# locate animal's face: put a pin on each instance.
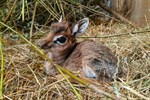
(62, 36)
(59, 39)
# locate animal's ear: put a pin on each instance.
(60, 18)
(80, 27)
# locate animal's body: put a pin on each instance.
(91, 59)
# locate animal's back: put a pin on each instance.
(93, 60)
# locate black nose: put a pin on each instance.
(41, 43)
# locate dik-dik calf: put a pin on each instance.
(91, 59)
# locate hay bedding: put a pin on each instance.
(25, 77)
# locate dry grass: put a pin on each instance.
(25, 78)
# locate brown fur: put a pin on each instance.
(93, 60)
(95, 55)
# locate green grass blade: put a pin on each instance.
(22, 12)
(2, 68)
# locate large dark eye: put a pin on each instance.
(60, 40)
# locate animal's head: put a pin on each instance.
(62, 35)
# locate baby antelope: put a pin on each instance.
(90, 59)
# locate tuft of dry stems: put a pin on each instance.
(25, 77)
